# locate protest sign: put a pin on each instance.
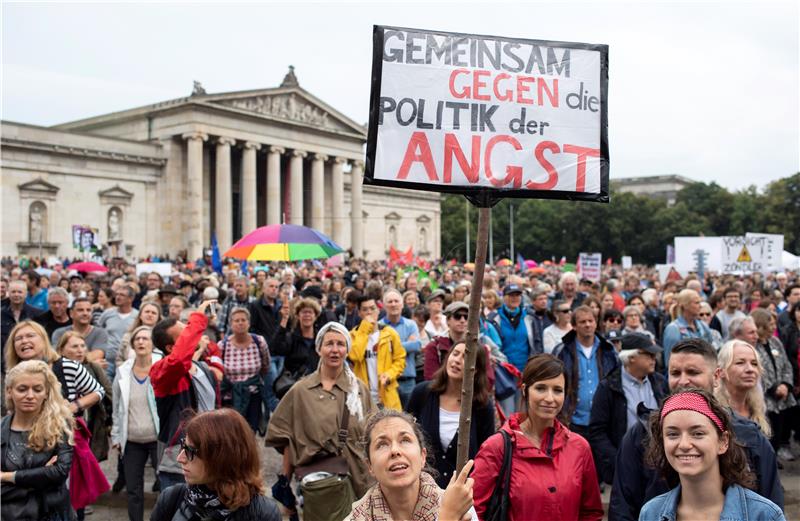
(627, 262)
(698, 254)
(773, 248)
(85, 238)
(744, 254)
(589, 265)
(162, 268)
(508, 117)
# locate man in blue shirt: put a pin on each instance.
(409, 338)
(37, 297)
(588, 358)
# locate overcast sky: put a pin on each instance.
(706, 90)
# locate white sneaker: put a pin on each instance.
(785, 454)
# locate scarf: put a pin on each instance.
(206, 504)
(374, 507)
(353, 400)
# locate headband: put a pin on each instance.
(690, 401)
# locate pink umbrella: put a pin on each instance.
(86, 267)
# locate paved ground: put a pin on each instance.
(112, 507)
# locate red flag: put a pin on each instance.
(408, 256)
(562, 261)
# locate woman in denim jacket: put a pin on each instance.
(694, 447)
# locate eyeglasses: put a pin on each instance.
(191, 452)
(704, 314)
(460, 316)
(563, 311)
(615, 320)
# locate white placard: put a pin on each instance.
(627, 262)
(589, 266)
(162, 268)
(773, 260)
(690, 252)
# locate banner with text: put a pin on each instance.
(589, 266)
(462, 113)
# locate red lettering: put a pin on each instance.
(552, 173)
(551, 95)
(522, 88)
(465, 92)
(509, 94)
(582, 153)
(453, 148)
(477, 85)
(418, 150)
(513, 173)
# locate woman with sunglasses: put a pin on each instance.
(437, 405)
(706, 315)
(220, 462)
(553, 333)
(694, 447)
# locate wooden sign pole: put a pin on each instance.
(465, 418)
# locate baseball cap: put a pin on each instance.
(641, 342)
(455, 306)
(512, 288)
(439, 293)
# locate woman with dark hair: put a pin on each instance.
(552, 469)
(297, 344)
(398, 456)
(693, 445)
(437, 405)
(220, 462)
(104, 299)
(149, 315)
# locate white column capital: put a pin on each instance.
(320, 157)
(340, 160)
(251, 145)
(202, 136)
(299, 153)
(274, 149)
(222, 140)
(358, 164)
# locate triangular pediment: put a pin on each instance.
(116, 192)
(38, 185)
(292, 105)
(393, 216)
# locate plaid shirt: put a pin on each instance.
(223, 319)
(243, 363)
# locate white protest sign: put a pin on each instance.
(743, 254)
(162, 268)
(464, 113)
(773, 248)
(589, 265)
(696, 254)
(627, 262)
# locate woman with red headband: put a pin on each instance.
(694, 447)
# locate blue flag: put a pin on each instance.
(521, 262)
(216, 260)
(244, 268)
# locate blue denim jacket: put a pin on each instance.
(741, 504)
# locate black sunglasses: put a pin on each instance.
(563, 310)
(191, 452)
(459, 316)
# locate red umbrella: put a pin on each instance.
(87, 267)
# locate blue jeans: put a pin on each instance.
(267, 391)
(405, 385)
(168, 479)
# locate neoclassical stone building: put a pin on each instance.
(163, 178)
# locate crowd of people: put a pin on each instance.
(680, 395)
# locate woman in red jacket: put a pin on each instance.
(552, 470)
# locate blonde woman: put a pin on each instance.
(686, 324)
(36, 446)
(739, 385)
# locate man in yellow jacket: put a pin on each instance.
(377, 354)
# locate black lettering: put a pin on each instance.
(486, 117)
(457, 50)
(411, 48)
(406, 101)
(387, 105)
(508, 51)
(421, 116)
(441, 51)
(554, 65)
(456, 106)
(492, 54)
(392, 55)
(517, 125)
(536, 59)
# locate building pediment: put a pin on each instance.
(392, 216)
(292, 105)
(38, 188)
(115, 195)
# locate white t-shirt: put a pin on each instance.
(448, 426)
(552, 336)
(372, 365)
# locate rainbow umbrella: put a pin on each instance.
(283, 242)
(503, 263)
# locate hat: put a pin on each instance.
(639, 341)
(511, 289)
(168, 290)
(439, 293)
(185, 283)
(455, 306)
(613, 335)
(312, 291)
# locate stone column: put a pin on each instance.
(337, 200)
(274, 184)
(194, 193)
(318, 192)
(249, 190)
(296, 187)
(356, 212)
(223, 225)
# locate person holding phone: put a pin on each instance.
(183, 378)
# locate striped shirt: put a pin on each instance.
(79, 381)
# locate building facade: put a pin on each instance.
(165, 177)
(660, 186)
